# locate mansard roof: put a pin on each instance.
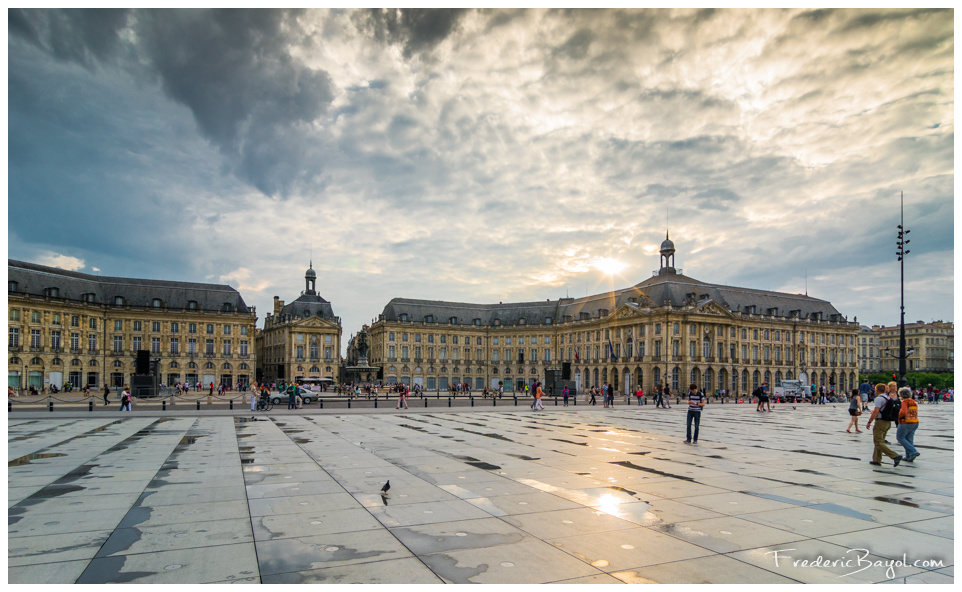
(35, 279)
(308, 305)
(674, 289)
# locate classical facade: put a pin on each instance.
(300, 340)
(669, 325)
(84, 329)
(869, 353)
(932, 346)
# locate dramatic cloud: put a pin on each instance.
(488, 155)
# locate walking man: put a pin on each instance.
(106, 392)
(291, 396)
(885, 412)
(696, 401)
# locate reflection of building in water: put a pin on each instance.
(300, 340)
(670, 324)
(73, 327)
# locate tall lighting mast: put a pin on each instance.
(902, 252)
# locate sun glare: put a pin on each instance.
(608, 265)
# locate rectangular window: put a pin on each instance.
(74, 321)
(327, 353)
(192, 328)
(175, 327)
(547, 356)
(547, 339)
(92, 342)
(209, 347)
(137, 344)
(430, 353)
(417, 338)
(404, 351)
(494, 341)
(314, 350)
(192, 345)
(174, 345)
(155, 326)
(118, 325)
(75, 341)
(226, 329)
(118, 343)
(417, 351)
(444, 351)
(35, 316)
(35, 338)
(391, 352)
(243, 347)
(55, 340)
(744, 353)
(210, 329)
(455, 353)
(300, 352)
(520, 340)
(444, 339)
(692, 349)
(478, 355)
(14, 340)
(138, 326)
(534, 356)
(155, 345)
(227, 347)
(299, 338)
(657, 353)
(14, 314)
(507, 341)
(454, 339)
(327, 339)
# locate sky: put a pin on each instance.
(488, 155)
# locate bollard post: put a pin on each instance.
(425, 402)
(232, 403)
(51, 405)
(494, 402)
(321, 401)
(198, 404)
(348, 402)
(375, 402)
(163, 405)
(556, 401)
(9, 406)
(449, 401)
(90, 405)
(516, 400)
(472, 401)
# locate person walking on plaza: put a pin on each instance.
(402, 397)
(639, 394)
(908, 423)
(253, 389)
(106, 392)
(125, 399)
(854, 410)
(564, 395)
(885, 412)
(666, 395)
(591, 392)
(291, 396)
(538, 393)
(696, 402)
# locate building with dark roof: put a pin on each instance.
(76, 328)
(300, 341)
(717, 336)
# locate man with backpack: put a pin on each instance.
(885, 414)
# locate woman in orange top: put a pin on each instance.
(538, 393)
(908, 423)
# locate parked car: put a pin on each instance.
(307, 396)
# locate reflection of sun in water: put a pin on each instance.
(608, 504)
(608, 265)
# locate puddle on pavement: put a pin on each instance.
(893, 500)
(488, 435)
(25, 460)
(902, 485)
(570, 442)
(524, 457)
(825, 454)
(630, 465)
(188, 440)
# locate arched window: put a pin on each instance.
(768, 377)
(756, 379)
(778, 378)
(695, 375)
(707, 380)
(118, 363)
(745, 380)
(209, 366)
(675, 377)
(226, 366)
(75, 362)
(314, 369)
(191, 365)
(656, 376)
(174, 365)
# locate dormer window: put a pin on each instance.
(521, 321)
(118, 300)
(547, 320)
(12, 286)
(429, 319)
(403, 318)
(228, 307)
(453, 320)
(603, 312)
(90, 297)
(52, 292)
(477, 322)
(156, 303)
(191, 305)
(497, 322)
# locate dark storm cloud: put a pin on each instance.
(416, 29)
(232, 68)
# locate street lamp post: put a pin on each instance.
(902, 252)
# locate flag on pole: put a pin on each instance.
(576, 354)
(611, 350)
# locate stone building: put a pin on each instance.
(932, 346)
(669, 325)
(869, 353)
(300, 340)
(73, 327)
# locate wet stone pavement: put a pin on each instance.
(577, 495)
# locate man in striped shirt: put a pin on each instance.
(696, 400)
